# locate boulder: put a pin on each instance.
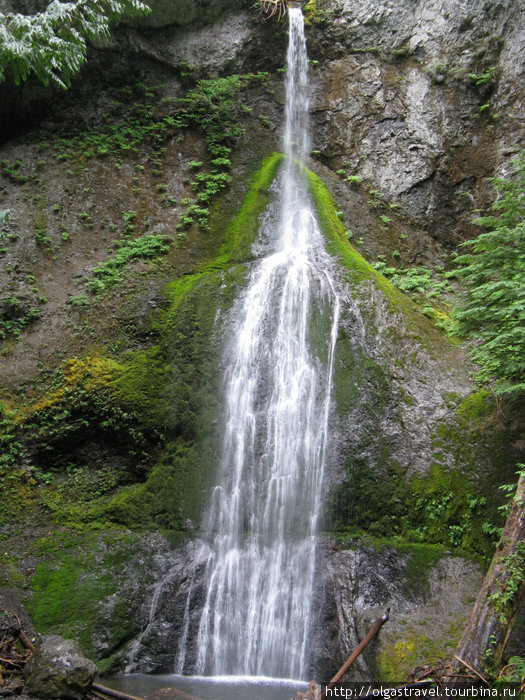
(58, 669)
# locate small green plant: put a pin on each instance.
(401, 51)
(80, 300)
(5, 220)
(353, 179)
(41, 239)
(128, 217)
(12, 171)
(108, 274)
(514, 671)
(482, 78)
(14, 317)
(504, 597)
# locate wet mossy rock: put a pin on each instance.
(92, 586)
(58, 669)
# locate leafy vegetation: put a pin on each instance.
(503, 598)
(137, 113)
(493, 315)
(52, 45)
(15, 316)
(109, 273)
(104, 440)
(438, 509)
(214, 105)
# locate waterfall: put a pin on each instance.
(263, 514)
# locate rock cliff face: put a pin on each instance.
(109, 405)
(422, 100)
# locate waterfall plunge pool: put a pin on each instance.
(206, 687)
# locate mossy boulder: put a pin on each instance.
(58, 669)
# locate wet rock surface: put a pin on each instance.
(422, 99)
(428, 604)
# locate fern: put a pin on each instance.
(493, 315)
(52, 44)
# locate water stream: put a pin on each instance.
(263, 514)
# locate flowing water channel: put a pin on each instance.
(263, 514)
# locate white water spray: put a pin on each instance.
(263, 515)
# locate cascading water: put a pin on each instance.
(262, 519)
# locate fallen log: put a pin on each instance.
(23, 636)
(103, 690)
(25, 640)
(357, 651)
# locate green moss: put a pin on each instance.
(415, 646)
(449, 506)
(338, 245)
(312, 13)
(421, 558)
(242, 231)
(441, 508)
(67, 590)
(359, 273)
(146, 418)
(477, 434)
(171, 495)
(476, 407)
(142, 383)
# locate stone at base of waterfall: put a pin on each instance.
(58, 669)
(313, 692)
